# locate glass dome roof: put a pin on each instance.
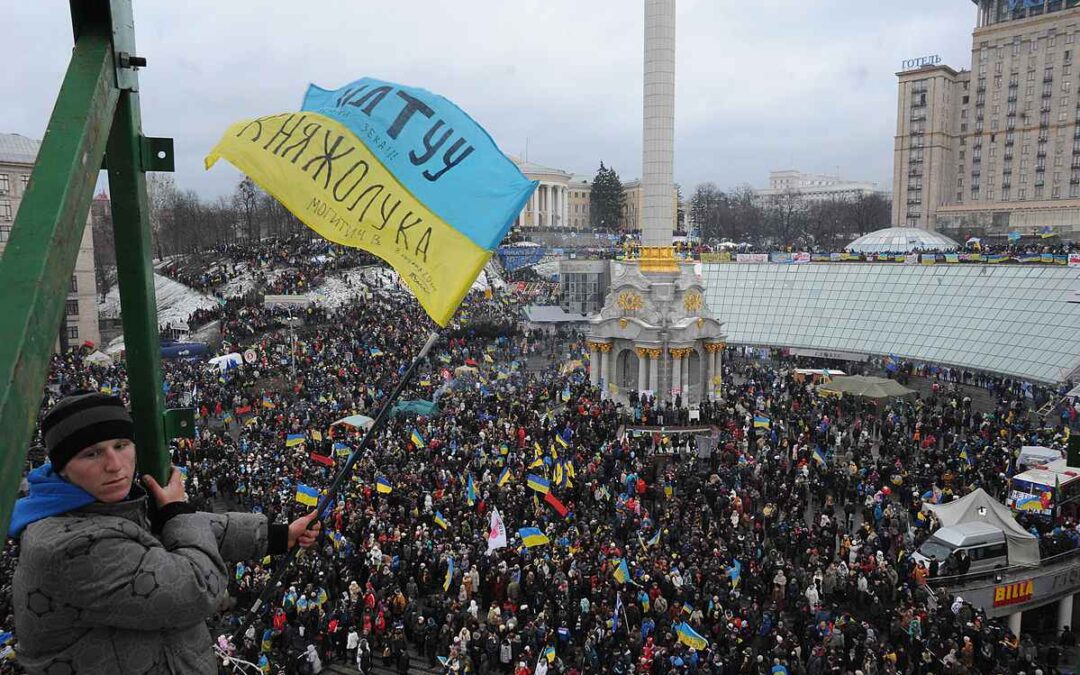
(902, 240)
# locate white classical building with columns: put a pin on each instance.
(549, 206)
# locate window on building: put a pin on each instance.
(5, 210)
(72, 308)
(74, 288)
(25, 181)
(73, 332)
(5, 182)
(5, 232)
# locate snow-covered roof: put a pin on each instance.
(18, 149)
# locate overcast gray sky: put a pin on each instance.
(771, 84)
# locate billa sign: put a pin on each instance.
(1014, 593)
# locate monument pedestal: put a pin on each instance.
(656, 335)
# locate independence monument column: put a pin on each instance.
(658, 149)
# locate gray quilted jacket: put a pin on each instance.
(96, 592)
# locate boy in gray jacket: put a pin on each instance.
(106, 585)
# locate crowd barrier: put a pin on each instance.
(800, 258)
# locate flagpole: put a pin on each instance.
(339, 479)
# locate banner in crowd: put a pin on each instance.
(756, 258)
(397, 171)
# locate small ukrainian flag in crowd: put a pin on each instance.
(341, 450)
(654, 540)
(382, 484)
(549, 654)
(449, 574)
(307, 495)
(440, 520)
(622, 572)
(293, 440)
(417, 439)
(533, 537)
(690, 637)
(819, 457)
(504, 477)
(761, 421)
(538, 483)
(470, 491)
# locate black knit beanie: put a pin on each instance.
(79, 421)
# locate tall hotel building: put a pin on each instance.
(995, 149)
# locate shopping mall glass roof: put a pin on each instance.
(902, 240)
(1009, 319)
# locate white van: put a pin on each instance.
(985, 545)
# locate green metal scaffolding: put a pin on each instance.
(96, 122)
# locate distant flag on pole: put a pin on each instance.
(440, 520)
(470, 491)
(504, 476)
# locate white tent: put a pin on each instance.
(99, 359)
(227, 361)
(981, 507)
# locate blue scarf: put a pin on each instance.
(50, 495)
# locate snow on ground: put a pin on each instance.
(340, 287)
(175, 302)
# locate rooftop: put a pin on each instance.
(18, 149)
(902, 240)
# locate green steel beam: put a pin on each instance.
(135, 275)
(36, 268)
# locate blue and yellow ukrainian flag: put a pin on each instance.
(449, 574)
(655, 539)
(558, 475)
(532, 536)
(561, 441)
(440, 520)
(417, 440)
(538, 483)
(688, 608)
(397, 171)
(307, 495)
(293, 440)
(819, 457)
(470, 491)
(267, 640)
(382, 485)
(267, 403)
(735, 573)
(549, 654)
(504, 449)
(646, 602)
(761, 421)
(504, 477)
(689, 637)
(341, 450)
(622, 572)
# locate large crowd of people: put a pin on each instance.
(778, 548)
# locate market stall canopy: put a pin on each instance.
(867, 387)
(355, 421)
(979, 507)
(418, 407)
